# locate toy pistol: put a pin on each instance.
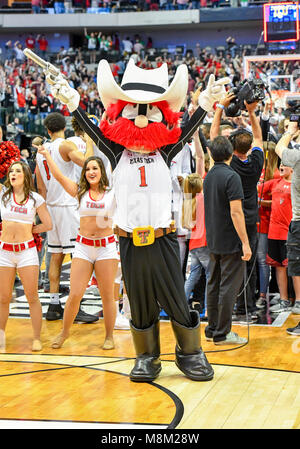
(50, 70)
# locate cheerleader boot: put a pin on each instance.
(190, 358)
(147, 347)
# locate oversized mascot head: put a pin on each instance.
(143, 113)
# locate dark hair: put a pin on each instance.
(83, 185)
(221, 149)
(241, 140)
(28, 186)
(76, 126)
(55, 122)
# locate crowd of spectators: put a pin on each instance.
(110, 6)
(25, 96)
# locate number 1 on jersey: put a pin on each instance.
(143, 176)
(47, 169)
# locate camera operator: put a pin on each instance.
(291, 158)
(247, 161)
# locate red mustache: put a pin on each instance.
(152, 137)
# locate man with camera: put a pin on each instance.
(247, 161)
(291, 158)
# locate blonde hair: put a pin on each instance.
(271, 159)
(192, 185)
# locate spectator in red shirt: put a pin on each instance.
(30, 42)
(43, 45)
(21, 100)
(281, 215)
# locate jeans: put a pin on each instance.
(263, 268)
(41, 254)
(43, 115)
(199, 259)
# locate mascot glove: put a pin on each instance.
(215, 91)
(65, 93)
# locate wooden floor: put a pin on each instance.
(81, 385)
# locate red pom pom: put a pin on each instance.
(9, 153)
(38, 241)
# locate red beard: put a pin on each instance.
(154, 136)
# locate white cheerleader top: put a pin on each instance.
(20, 213)
(103, 208)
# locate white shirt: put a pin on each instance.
(143, 191)
(20, 213)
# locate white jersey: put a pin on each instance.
(143, 191)
(56, 194)
(81, 145)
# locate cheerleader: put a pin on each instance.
(19, 205)
(95, 247)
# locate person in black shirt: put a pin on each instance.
(247, 161)
(44, 104)
(227, 242)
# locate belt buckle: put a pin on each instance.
(17, 247)
(97, 243)
(143, 236)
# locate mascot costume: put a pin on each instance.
(140, 134)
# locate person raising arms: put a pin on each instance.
(95, 247)
(19, 204)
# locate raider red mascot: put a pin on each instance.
(140, 134)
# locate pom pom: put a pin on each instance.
(9, 153)
(38, 241)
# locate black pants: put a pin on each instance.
(226, 275)
(251, 285)
(153, 277)
(293, 249)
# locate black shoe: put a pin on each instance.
(54, 312)
(190, 358)
(147, 364)
(294, 330)
(83, 317)
(261, 303)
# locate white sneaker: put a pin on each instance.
(122, 323)
(93, 290)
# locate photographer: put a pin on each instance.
(247, 161)
(291, 158)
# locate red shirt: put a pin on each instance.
(43, 43)
(30, 43)
(198, 235)
(264, 211)
(21, 100)
(281, 211)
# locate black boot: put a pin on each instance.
(147, 347)
(190, 358)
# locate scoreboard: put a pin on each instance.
(281, 22)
